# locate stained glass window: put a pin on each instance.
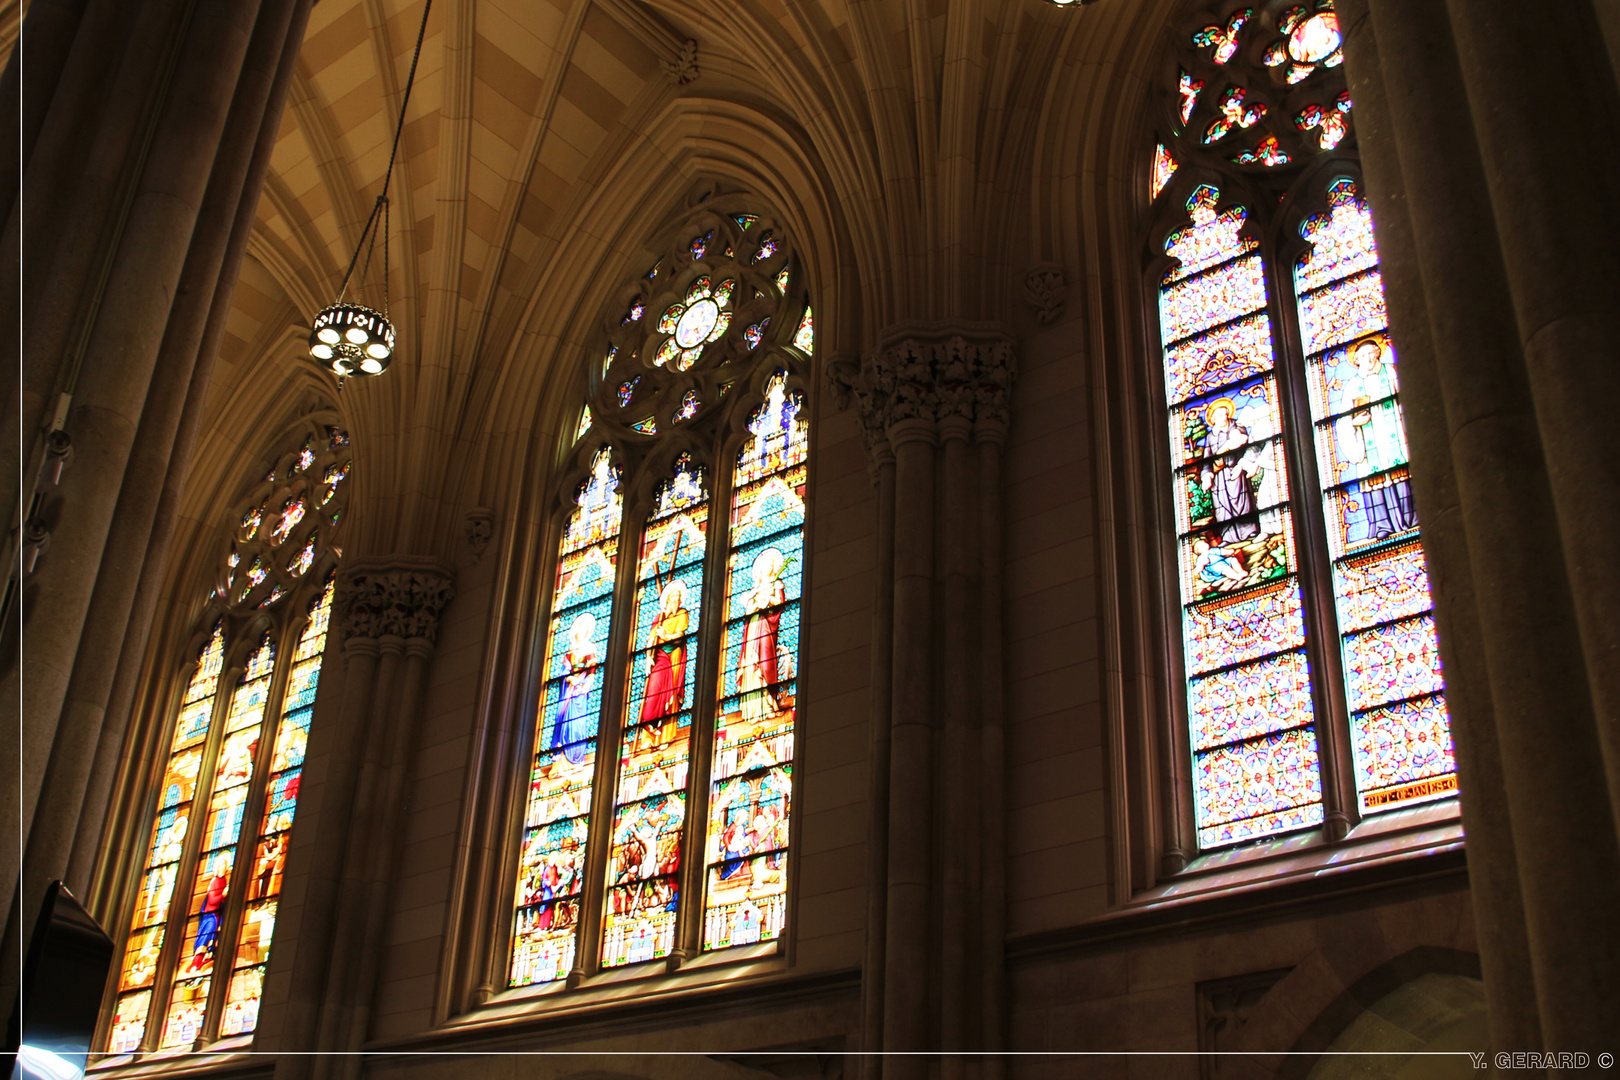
(1254, 753)
(1255, 702)
(203, 917)
(636, 685)
(556, 823)
(655, 746)
(1399, 730)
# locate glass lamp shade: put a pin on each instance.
(352, 340)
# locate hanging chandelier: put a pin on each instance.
(352, 339)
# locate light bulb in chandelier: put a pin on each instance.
(352, 340)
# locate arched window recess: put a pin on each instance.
(656, 816)
(1305, 679)
(204, 881)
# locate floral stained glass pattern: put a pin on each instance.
(1400, 733)
(643, 889)
(750, 790)
(177, 795)
(1164, 167)
(551, 862)
(1248, 695)
(693, 323)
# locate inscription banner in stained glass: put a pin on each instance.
(1404, 753)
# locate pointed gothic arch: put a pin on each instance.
(657, 821)
(232, 720)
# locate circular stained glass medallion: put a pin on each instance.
(696, 323)
(1315, 39)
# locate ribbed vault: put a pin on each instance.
(547, 137)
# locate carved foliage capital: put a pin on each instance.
(403, 601)
(930, 372)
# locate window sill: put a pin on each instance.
(226, 1057)
(749, 974)
(1422, 845)
(1398, 834)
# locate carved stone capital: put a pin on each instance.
(394, 598)
(1046, 289)
(931, 371)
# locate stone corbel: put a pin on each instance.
(1045, 288)
(479, 526)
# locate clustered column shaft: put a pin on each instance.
(1507, 325)
(146, 133)
(933, 398)
(389, 614)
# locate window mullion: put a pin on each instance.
(185, 871)
(1339, 804)
(247, 832)
(609, 734)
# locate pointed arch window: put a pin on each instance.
(201, 920)
(660, 790)
(1312, 681)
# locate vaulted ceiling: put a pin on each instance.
(544, 138)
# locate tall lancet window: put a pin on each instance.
(202, 911)
(1313, 688)
(660, 790)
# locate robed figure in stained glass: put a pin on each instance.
(757, 670)
(666, 665)
(208, 921)
(1229, 478)
(575, 720)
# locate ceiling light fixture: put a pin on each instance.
(350, 338)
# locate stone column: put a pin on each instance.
(925, 392)
(1492, 861)
(389, 610)
(1541, 89)
(1535, 794)
(227, 212)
